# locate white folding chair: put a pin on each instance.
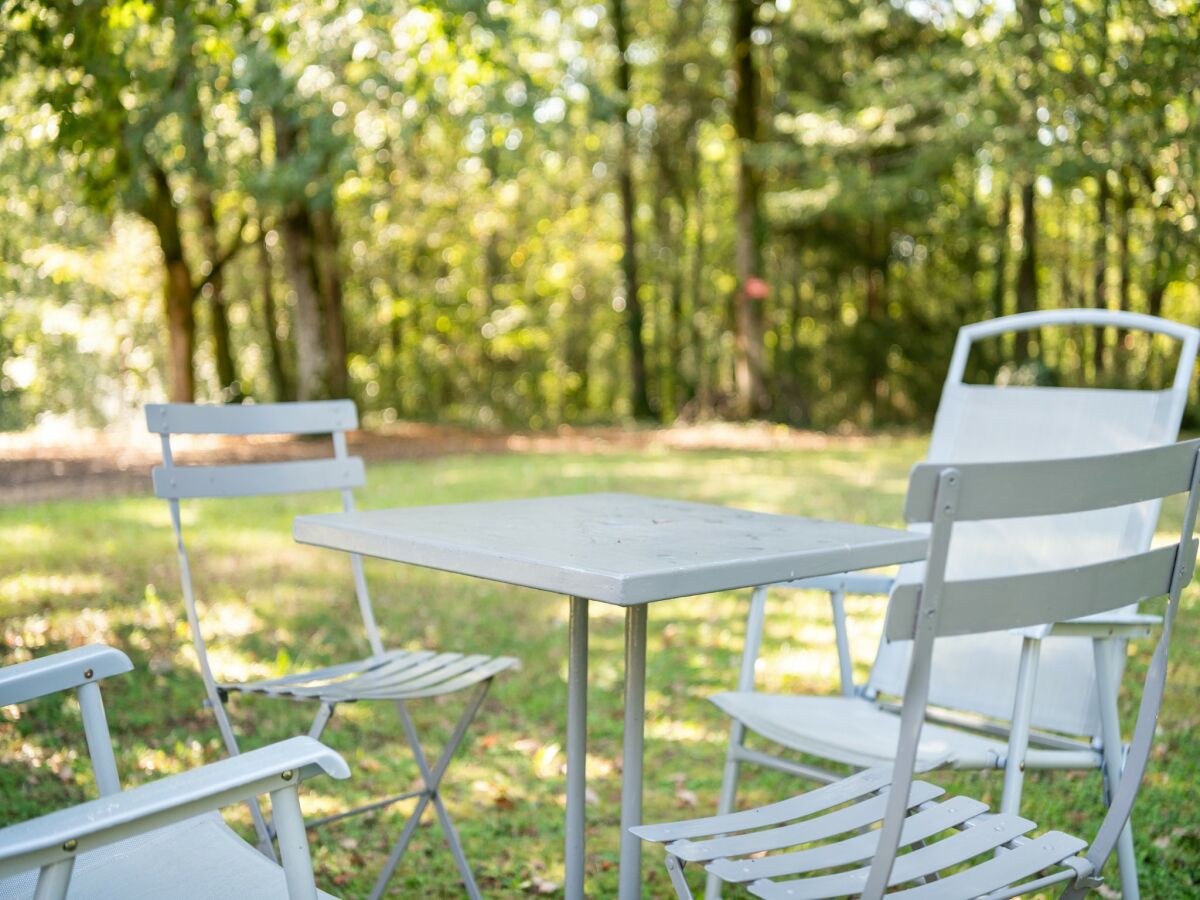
(829, 845)
(983, 688)
(395, 676)
(162, 839)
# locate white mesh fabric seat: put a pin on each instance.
(1062, 688)
(390, 675)
(853, 730)
(825, 843)
(207, 860)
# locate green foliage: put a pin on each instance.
(460, 158)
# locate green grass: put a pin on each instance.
(105, 570)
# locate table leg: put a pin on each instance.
(577, 637)
(630, 884)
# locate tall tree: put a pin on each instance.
(749, 295)
(634, 315)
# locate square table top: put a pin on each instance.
(622, 549)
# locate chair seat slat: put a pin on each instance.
(990, 833)
(920, 826)
(403, 675)
(839, 821)
(818, 800)
(1008, 869)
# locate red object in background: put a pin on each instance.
(757, 289)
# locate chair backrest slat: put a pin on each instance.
(1053, 486)
(315, 417)
(1035, 598)
(258, 479)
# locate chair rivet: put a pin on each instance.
(88, 673)
(70, 845)
(288, 775)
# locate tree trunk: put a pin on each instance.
(634, 317)
(748, 313)
(300, 269)
(1125, 208)
(1027, 287)
(227, 380)
(998, 286)
(333, 316)
(700, 375)
(281, 387)
(178, 291)
(1100, 278)
(312, 366)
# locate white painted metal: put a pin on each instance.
(1112, 480)
(395, 676)
(163, 838)
(47, 839)
(57, 672)
(576, 826)
(293, 843)
(629, 885)
(258, 479)
(1020, 601)
(317, 417)
(95, 731)
(988, 423)
(937, 868)
(614, 548)
(82, 668)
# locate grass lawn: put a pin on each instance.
(105, 570)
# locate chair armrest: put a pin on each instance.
(850, 583)
(60, 672)
(1105, 625)
(62, 835)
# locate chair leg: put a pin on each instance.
(324, 714)
(837, 605)
(675, 870)
(293, 843)
(432, 779)
(728, 798)
(1110, 734)
(262, 828)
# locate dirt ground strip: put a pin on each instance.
(36, 467)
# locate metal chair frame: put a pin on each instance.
(737, 847)
(395, 676)
(52, 844)
(1050, 750)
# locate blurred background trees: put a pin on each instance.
(522, 213)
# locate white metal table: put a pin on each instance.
(621, 549)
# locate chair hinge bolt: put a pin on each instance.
(287, 775)
(70, 845)
(88, 673)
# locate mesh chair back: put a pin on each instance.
(984, 423)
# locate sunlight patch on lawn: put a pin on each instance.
(31, 587)
(26, 536)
